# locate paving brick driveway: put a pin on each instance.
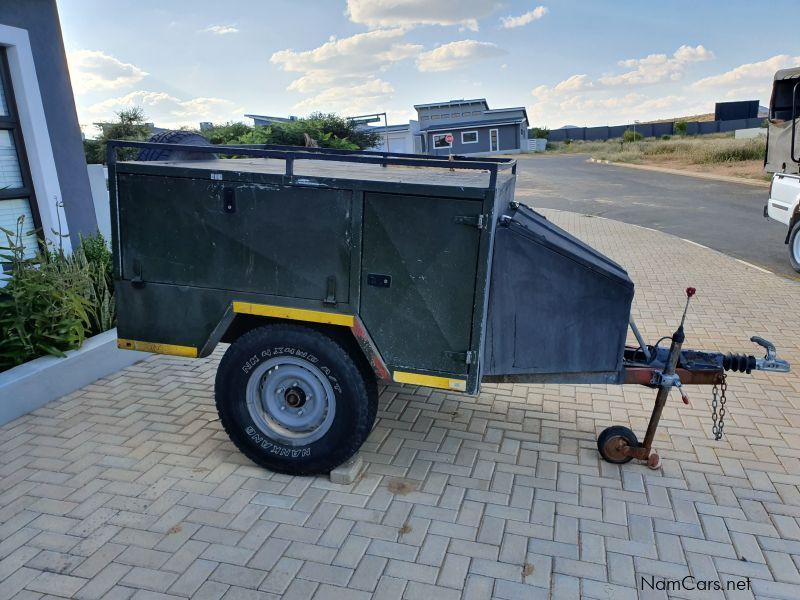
(129, 487)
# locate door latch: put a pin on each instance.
(478, 221)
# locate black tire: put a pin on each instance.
(794, 247)
(176, 137)
(607, 440)
(354, 398)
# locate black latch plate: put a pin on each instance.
(379, 280)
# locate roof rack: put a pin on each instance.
(292, 153)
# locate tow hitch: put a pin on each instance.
(662, 369)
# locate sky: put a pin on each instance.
(566, 61)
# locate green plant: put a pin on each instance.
(102, 309)
(328, 130)
(44, 308)
(538, 132)
(680, 128)
(631, 136)
(666, 137)
(130, 125)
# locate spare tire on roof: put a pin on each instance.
(176, 137)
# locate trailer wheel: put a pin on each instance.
(612, 441)
(176, 137)
(293, 400)
(794, 247)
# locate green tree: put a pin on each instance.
(538, 132)
(680, 128)
(328, 130)
(131, 124)
(631, 136)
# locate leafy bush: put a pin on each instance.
(130, 125)
(631, 136)
(666, 137)
(538, 132)
(102, 313)
(680, 128)
(44, 308)
(53, 301)
(327, 129)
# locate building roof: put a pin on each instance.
(288, 119)
(456, 102)
(471, 124)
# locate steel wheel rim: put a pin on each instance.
(615, 447)
(290, 400)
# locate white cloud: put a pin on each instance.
(656, 68)
(92, 70)
(164, 109)
(748, 77)
(341, 73)
(456, 55)
(361, 54)
(529, 17)
(410, 13)
(220, 29)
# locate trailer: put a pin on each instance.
(330, 272)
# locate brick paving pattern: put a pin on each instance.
(129, 488)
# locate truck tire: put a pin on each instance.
(176, 137)
(293, 400)
(794, 247)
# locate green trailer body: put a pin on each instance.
(329, 271)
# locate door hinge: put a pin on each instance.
(478, 221)
(467, 357)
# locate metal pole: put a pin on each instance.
(386, 130)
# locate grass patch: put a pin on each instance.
(703, 150)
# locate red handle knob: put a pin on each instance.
(690, 291)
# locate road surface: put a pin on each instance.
(723, 216)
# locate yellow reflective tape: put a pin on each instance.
(157, 348)
(296, 314)
(430, 381)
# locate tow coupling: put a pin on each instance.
(663, 369)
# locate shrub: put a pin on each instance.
(631, 136)
(53, 301)
(666, 137)
(538, 132)
(680, 128)
(44, 308)
(102, 312)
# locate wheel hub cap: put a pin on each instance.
(290, 400)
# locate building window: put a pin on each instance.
(16, 188)
(425, 117)
(469, 137)
(456, 114)
(440, 140)
(445, 116)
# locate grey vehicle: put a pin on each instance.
(332, 272)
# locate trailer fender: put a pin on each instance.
(349, 330)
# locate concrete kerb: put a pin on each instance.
(710, 176)
(35, 383)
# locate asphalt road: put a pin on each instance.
(723, 216)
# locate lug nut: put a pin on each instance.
(300, 412)
(280, 390)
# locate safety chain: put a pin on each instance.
(718, 419)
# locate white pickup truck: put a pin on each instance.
(783, 158)
(784, 206)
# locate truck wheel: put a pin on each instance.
(794, 247)
(176, 137)
(293, 400)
